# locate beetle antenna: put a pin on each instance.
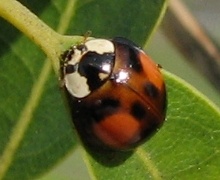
(86, 36)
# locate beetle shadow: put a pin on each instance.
(107, 157)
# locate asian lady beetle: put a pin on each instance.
(116, 92)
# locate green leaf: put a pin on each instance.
(186, 147)
(35, 127)
(125, 18)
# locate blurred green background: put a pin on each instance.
(164, 53)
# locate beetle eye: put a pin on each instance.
(81, 48)
(96, 68)
(70, 68)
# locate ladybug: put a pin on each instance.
(116, 93)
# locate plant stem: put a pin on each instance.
(49, 41)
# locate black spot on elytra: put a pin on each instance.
(138, 111)
(105, 107)
(132, 50)
(153, 125)
(109, 102)
(134, 61)
(165, 101)
(151, 90)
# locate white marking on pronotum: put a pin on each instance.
(100, 46)
(75, 83)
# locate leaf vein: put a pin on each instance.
(145, 157)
